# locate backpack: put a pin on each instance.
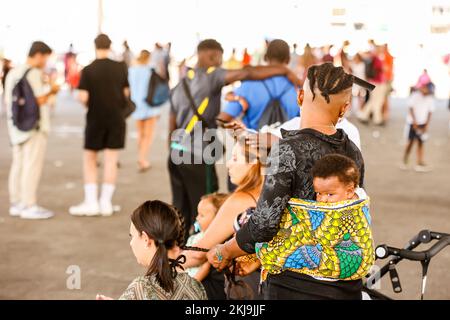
(274, 112)
(370, 70)
(25, 108)
(158, 90)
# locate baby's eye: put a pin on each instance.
(330, 194)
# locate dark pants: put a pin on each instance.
(189, 182)
(294, 286)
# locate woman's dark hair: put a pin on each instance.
(209, 44)
(165, 225)
(39, 47)
(278, 50)
(328, 79)
(102, 41)
(336, 165)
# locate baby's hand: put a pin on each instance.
(102, 297)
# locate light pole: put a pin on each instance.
(100, 16)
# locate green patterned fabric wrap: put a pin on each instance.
(323, 240)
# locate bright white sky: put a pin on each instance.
(235, 23)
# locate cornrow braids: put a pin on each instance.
(181, 235)
(328, 79)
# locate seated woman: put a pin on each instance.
(324, 99)
(246, 174)
(156, 233)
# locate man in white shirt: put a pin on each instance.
(349, 128)
(28, 147)
(420, 108)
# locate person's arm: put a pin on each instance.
(42, 100)
(172, 125)
(83, 97)
(413, 117)
(260, 73)
(202, 272)
(220, 229)
(264, 222)
(83, 87)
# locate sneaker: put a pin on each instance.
(422, 168)
(85, 209)
(36, 213)
(106, 209)
(404, 166)
(16, 209)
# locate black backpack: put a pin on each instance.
(25, 108)
(158, 90)
(371, 72)
(274, 111)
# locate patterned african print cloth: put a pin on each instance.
(147, 288)
(324, 240)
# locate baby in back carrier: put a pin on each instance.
(335, 179)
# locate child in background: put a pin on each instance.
(420, 108)
(157, 232)
(207, 209)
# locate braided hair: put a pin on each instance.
(328, 79)
(165, 225)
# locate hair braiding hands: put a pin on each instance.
(218, 257)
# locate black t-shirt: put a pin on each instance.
(105, 81)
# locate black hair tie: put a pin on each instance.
(178, 262)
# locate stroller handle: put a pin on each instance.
(383, 251)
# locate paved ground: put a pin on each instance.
(35, 255)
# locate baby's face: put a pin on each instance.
(206, 213)
(332, 190)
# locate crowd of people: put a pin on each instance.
(291, 143)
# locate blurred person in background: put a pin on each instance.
(375, 75)
(127, 54)
(420, 109)
(146, 116)
(246, 58)
(342, 57)
(159, 60)
(29, 147)
(252, 98)
(104, 90)
(6, 67)
(306, 60)
(327, 57)
(388, 70)
(233, 63)
(358, 68)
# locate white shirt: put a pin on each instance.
(35, 79)
(349, 128)
(421, 106)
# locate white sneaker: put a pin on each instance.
(36, 213)
(85, 209)
(106, 208)
(16, 209)
(422, 168)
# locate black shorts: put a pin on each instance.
(105, 137)
(413, 134)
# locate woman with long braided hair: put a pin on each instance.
(324, 99)
(157, 234)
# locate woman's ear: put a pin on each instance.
(300, 97)
(146, 238)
